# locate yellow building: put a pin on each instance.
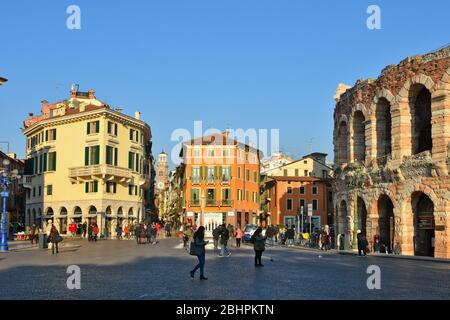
(87, 163)
(312, 165)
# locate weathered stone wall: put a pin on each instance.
(402, 174)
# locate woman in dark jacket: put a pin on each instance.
(199, 240)
(259, 244)
(54, 234)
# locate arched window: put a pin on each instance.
(359, 137)
(383, 128)
(63, 211)
(420, 106)
(342, 148)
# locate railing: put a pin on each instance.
(26, 181)
(226, 180)
(195, 180)
(211, 202)
(226, 203)
(211, 180)
(194, 203)
(101, 169)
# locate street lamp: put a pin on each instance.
(3, 80)
(6, 179)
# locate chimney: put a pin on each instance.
(137, 115)
(45, 109)
(91, 94)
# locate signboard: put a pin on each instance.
(426, 222)
(231, 214)
(310, 210)
(5, 194)
(190, 214)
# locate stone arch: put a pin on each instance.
(108, 210)
(120, 211)
(77, 211)
(358, 136)
(362, 215)
(362, 108)
(419, 79)
(49, 211)
(342, 145)
(63, 211)
(385, 221)
(424, 224)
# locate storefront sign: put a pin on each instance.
(190, 214)
(231, 214)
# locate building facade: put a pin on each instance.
(275, 161)
(86, 163)
(221, 182)
(311, 165)
(392, 157)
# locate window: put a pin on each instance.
(93, 127)
(226, 174)
(137, 136)
(196, 153)
(131, 160)
(92, 155)
(255, 177)
(131, 134)
(289, 204)
(306, 173)
(315, 205)
(239, 173)
(226, 153)
(247, 218)
(255, 197)
(49, 190)
(226, 196)
(239, 194)
(40, 191)
(247, 175)
(137, 168)
(112, 128)
(302, 190)
(211, 153)
(91, 187)
(111, 187)
(211, 174)
(34, 192)
(51, 161)
(195, 197)
(315, 190)
(112, 155)
(50, 135)
(211, 197)
(196, 175)
(289, 190)
(247, 195)
(302, 204)
(130, 189)
(285, 172)
(296, 172)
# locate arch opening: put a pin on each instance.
(420, 108)
(359, 136)
(383, 127)
(424, 225)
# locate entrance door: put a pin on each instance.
(212, 221)
(63, 225)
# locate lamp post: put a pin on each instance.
(6, 179)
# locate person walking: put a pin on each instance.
(33, 234)
(95, 231)
(119, 232)
(126, 231)
(90, 232)
(270, 234)
(153, 234)
(216, 235)
(84, 229)
(168, 228)
(259, 245)
(239, 234)
(224, 237)
(362, 244)
(199, 241)
(54, 239)
(290, 234)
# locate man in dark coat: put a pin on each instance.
(224, 237)
(216, 235)
(362, 244)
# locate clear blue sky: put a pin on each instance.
(243, 63)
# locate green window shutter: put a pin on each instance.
(108, 158)
(88, 128)
(116, 156)
(205, 175)
(130, 160)
(86, 156)
(137, 162)
(86, 187)
(95, 186)
(115, 187)
(97, 126)
(192, 174)
(54, 161)
(54, 134)
(97, 154)
(131, 134)
(45, 162)
(231, 171)
(46, 135)
(115, 129)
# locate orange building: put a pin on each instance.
(221, 182)
(287, 195)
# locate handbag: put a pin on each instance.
(195, 250)
(59, 239)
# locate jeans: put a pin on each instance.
(216, 244)
(290, 242)
(238, 242)
(55, 245)
(224, 249)
(200, 265)
(258, 257)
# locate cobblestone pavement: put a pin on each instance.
(123, 270)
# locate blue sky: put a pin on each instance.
(239, 63)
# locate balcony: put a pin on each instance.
(195, 180)
(211, 180)
(226, 203)
(212, 203)
(103, 171)
(144, 181)
(226, 180)
(194, 203)
(27, 182)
